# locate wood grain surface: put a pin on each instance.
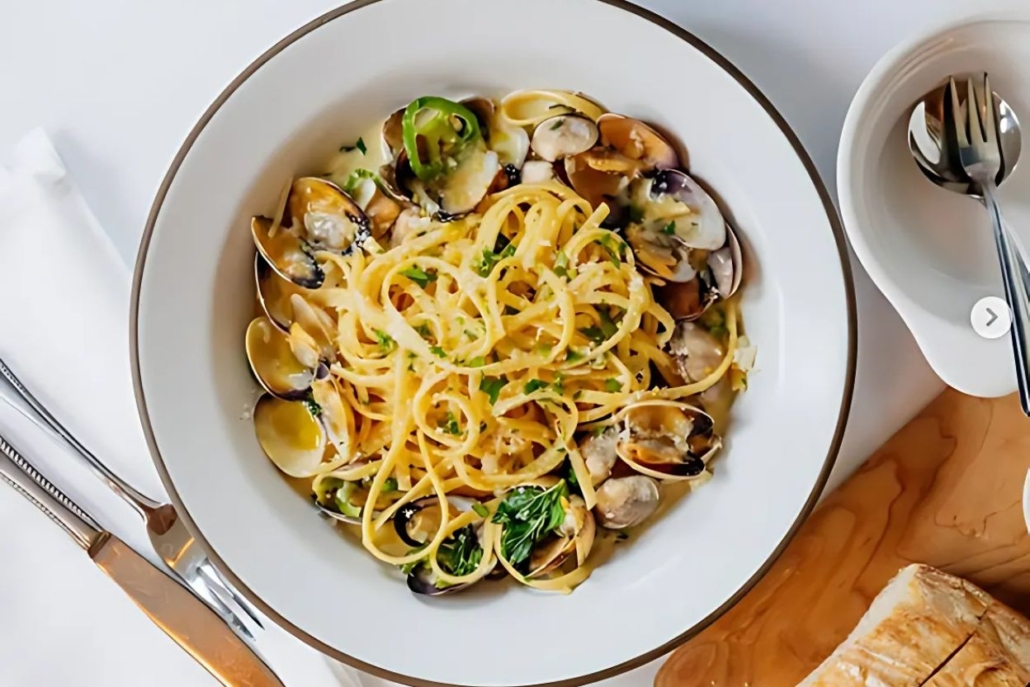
(945, 490)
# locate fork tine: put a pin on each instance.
(976, 133)
(990, 122)
(956, 116)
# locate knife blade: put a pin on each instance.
(183, 617)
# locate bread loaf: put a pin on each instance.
(930, 628)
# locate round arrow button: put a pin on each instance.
(991, 317)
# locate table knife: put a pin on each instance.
(191, 624)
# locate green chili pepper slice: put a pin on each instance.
(446, 129)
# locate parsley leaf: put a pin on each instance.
(608, 325)
(451, 425)
(386, 342)
(460, 554)
(438, 352)
(669, 228)
(480, 509)
(612, 385)
(594, 334)
(492, 386)
(527, 515)
(419, 276)
(359, 145)
(535, 385)
(613, 246)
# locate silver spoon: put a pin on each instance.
(934, 147)
(969, 143)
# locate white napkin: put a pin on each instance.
(64, 298)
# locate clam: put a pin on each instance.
(290, 257)
(310, 335)
(537, 171)
(417, 523)
(674, 197)
(598, 451)
(511, 143)
(454, 194)
(274, 293)
(393, 132)
(718, 276)
(336, 417)
(626, 501)
(563, 136)
(637, 141)
(339, 499)
(326, 217)
(380, 207)
(667, 440)
(595, 185)
(574, 536)
(290, 435)
(695, 352)
(320, 217)
(274, 363)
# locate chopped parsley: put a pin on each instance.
(451, 425)
(669, 228)
(612, 386)
(535, 385)
(490, 259)
(460, 554)
(606, 330)
(492, 386)
(424, 331)
(559, 383)
(573, 356)
(636, 213)
(360, 145)
(438, 352)
(557, 125)
(386, 342)
(478, 361)
(389, 485)
(608, 242)
(527, 515)
(419, 276)
(480, 509)
(313, 407)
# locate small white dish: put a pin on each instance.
(928, 250)
(193, 297)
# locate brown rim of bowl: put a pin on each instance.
(831, 456)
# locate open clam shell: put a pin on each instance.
(325, 216)
(290, 435)
(637, 141)
(274, 293)
(287, 254)
(666, 440)
(563, 136)
(624, 502)
(575, 537)
(274, 363)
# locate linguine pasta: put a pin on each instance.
(461, 378)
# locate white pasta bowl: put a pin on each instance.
(193, 297)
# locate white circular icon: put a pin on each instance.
(991, 317)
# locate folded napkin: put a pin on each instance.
(64, 328)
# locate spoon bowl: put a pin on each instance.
(935, 149)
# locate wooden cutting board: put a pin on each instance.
(945, 490)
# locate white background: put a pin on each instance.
(119, 83)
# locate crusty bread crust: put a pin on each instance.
(919, 620)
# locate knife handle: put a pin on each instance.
(30, 483)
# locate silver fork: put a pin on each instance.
(168, 535)
(981, 158)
